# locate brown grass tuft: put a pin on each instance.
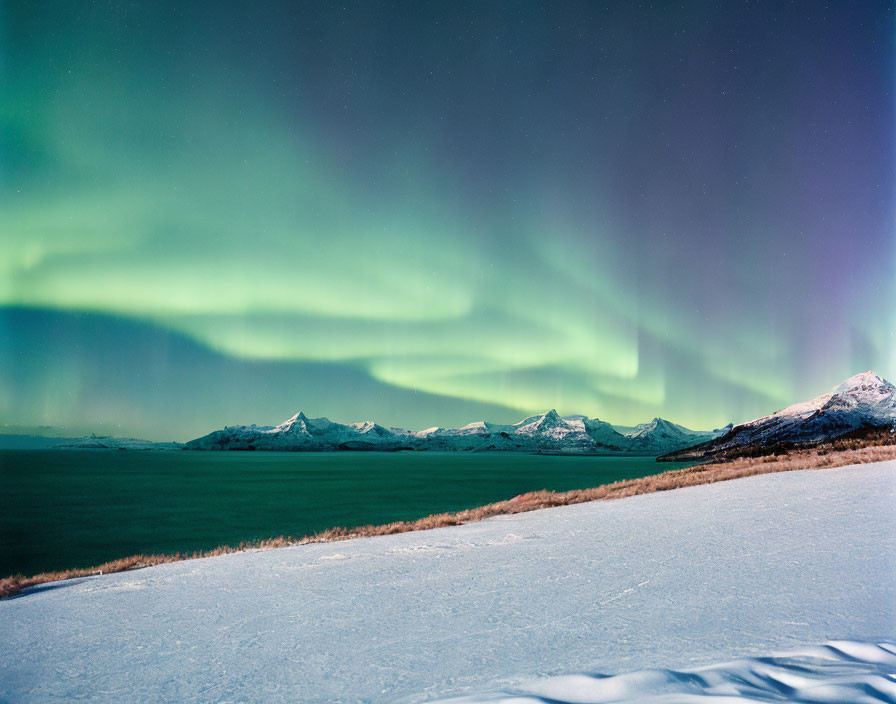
(835, 454)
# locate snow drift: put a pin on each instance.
(839, 671)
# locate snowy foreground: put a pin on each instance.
(721, 575)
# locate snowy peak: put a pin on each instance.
(299, 423)
(865, 393)
(551, 418)
(370, 428)
(543, 423)
(299, 417)
(605, 435)
(660, 434)
(659, 427)
(867, 397)
(479, 427)
(645, 428)
(430, 431)
(867, 383)
(312, 426)
(553, 432)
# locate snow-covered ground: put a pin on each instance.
(681, 580)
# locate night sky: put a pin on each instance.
(432, 213)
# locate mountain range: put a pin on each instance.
(864, 402)
(548, 432)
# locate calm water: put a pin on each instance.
(79, 508)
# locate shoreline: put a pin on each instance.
(814, 458)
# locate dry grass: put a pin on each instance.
(835, 454)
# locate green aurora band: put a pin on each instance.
(596, 228)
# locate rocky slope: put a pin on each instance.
(864, 401)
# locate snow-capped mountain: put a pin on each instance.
(862, 401)
(547, 432)
(658, 434)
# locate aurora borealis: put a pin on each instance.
(429, 213)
